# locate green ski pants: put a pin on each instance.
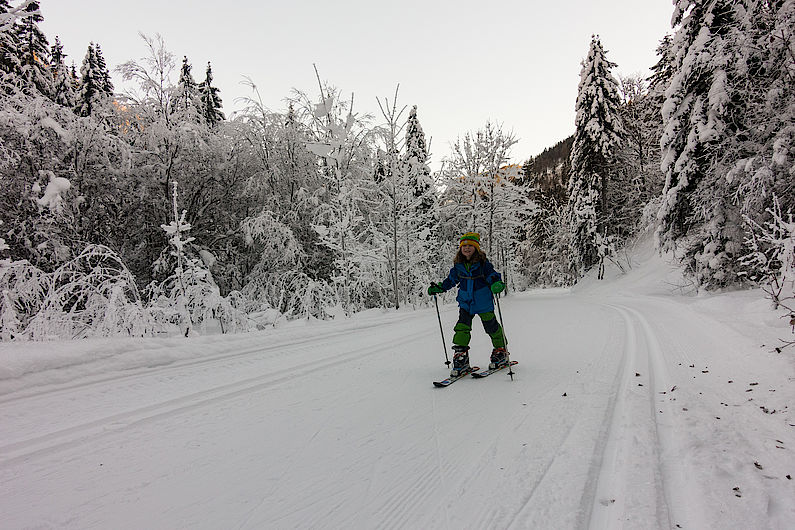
(463, 329)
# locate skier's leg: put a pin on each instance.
(461, 338)
(493, 328)
(463, 329)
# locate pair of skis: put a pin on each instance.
(476, 372)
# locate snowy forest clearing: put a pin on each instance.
(632, 406)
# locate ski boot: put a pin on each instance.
(460, 361)
(499, 357)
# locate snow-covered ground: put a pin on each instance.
(634, 405)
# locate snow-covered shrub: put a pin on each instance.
(292, 293)
(93, 294)
(22, 289)
(189, 296)
(772, 256)
(280, 248)
(190, 299)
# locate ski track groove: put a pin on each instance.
(672, 489)
(528, 498)
(525, 502)
(608, 485)
(679, 492)
(70, 436)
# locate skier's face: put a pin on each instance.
(467, 250)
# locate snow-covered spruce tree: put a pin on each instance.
(422, 248)
(702, 113)
(764, 155)
(11, 77)
(92, 84)
(63, 83)
(408, 222)
(766, 151)
(597, 140)
(186, 96)
(210, 100)
(105, 85)
(415, 158)
(34, 52)
(10, 67)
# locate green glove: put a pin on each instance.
(497, 287)
(435, 288)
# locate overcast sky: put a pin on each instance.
(462, 62)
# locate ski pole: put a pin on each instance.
(504, 336)
(441, 330)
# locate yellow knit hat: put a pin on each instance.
(470, 238)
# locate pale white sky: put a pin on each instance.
(463, 62)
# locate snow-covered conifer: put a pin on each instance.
(95, 84)
(763, 156)
(415, 157)
(63, 87)
(34, 52)
(701, 113)
(90, 83)
(186, 97)
(210, 100)
(597, 140)
(10, 65)
(105, 84)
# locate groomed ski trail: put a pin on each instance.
(337, 426)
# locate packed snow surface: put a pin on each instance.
(635, 404)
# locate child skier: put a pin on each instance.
(476, 280)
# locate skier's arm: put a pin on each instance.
(451, 280)
(489, 274)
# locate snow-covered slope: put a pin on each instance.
(635, 404)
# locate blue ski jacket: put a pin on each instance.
(474, 295)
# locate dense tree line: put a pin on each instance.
(187, 218)
(142, 211)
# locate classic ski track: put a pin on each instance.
(605, 501)
(208, 361)
(74, 435)
(489, 520)
(674, 492)
(528, 498)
